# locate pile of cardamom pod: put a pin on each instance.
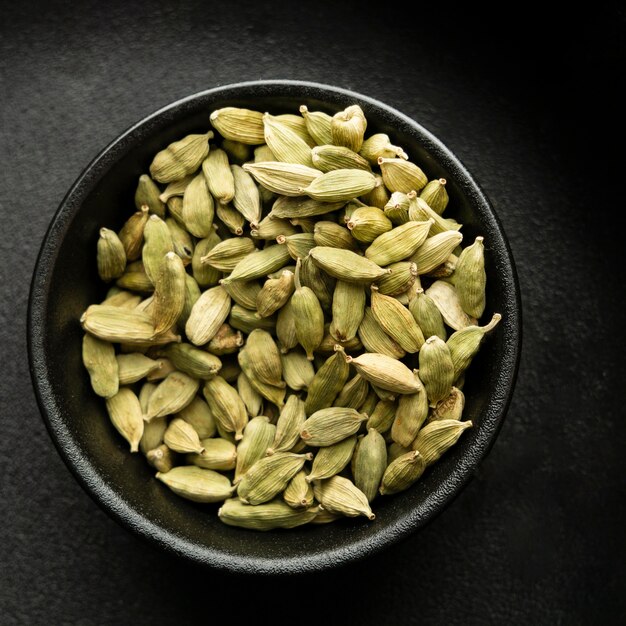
(289, 318)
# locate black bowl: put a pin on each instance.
(65, 282)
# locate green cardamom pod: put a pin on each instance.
(246, 320)
(398, 244)
(411, 413)
(285, 143)
(435, 250)
(257, 436)
(299, 493)
(172, 394)
(287, 179)
(450, 408)
(353, 393)
(379, 145)
(207, 315)
(218, 454)
(327, 383)
(264, 357)
(436, 195)
(318, 124)
(299, 244)
(420, 210)
(333, 235)
(368, 222)
(169, 293)
(197, 484)
(101, 364)
(271, 227)
(369, 463)
(111, 255)
(446, 299)
(437, 437)
(328, 157)
(148, 192)
(436, 369)
(471, 280)
(180, 436)
(339, 185)
(401, 174)
(269, 476)
(347, 127)
(298, 371)
(259, 263)
(126, 416)
(198, 414)
(158, 242)
(341, 495)
(379, 196)
(331, 425)
(226, 340)
(239, 124)
(402, 278)
(231, 219)
(348, 309)
(180, 158)
(286, 328)
(226, 405)
(346, 265)
(272, 393)
(427, 315)
(134, 366)
(289, 207)
(402, 472)
(264, 517)
(131, 233)
(375, 339)
(397, 208)
(383, 416)
(204, 274)
(218, 175)
(330, 460)
(250, 396)
(397, 321)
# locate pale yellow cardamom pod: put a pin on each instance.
(347, 127)
(173, 393)
(148, 193)
(218, 175)
(264, 517)
(340, 495)
(239, 124)
(207, 315)
(197, 484)
(180, 158)
(111, 255)
(331, 425)
(402, 472)
(126, 416)
(401, 175)
(287, 179)
(101, 364)
(181, 436)
(226, 405)
(437, 437)
(285, 143)
(198, 207)
(218, 454)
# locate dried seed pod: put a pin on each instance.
(271, 227)
(436, 195)
(264, 358)
(402, 472)
(340, 495)
(411, 413)
(382, 416)
(435, 250)
(331, 425)
(161, 458)
(169, 293)
(180, 158)
(286, 328)
(198, 207)
(198, 414)
(299, 493)
(333, 235)
(287, 179)
(237, 151)
(193, 361)
(397, 321)
(131, 233)
(446, 299)
(263, 517)
(250, 396)
(398, 244)
(369, 463)
(299, 207)
(401, 174)
(181, 436)
(239, 124)
(419, 210)
(226, 405)
(378, 196)
(120, 325)
(465, 343)
(218, 454)
(207, 315)
(173, 393)
(471, 279)
(348, 309)
(225, 255)
(327, 383)
(436, 438)
(218, 175)
(275, 395)
(449, 408)
(427, 315)
(288, 426)
(158, 242)
(231, 219)
(192, 293)
(402, 278)
(379, 145)
(269, 476)
(246, 321)
(328, 157)
(368, 222)
(259, 264)
(153, 431)
(347, 127)
(226, 340)
(246, 199)
(175, 191)
(318, 124)
(134, 366)
(111, 255)
(285, 143)
(181, 239)
(148, 192)
(298, 371)
(204, 274)
(125, 413)
(436, 369)
(339, 185)
(257, 436)
(353, 393)
(101, 364)
(397, 208)
(275, 293)
(346, 265)
(375, 339)
(244, 293)
(322, 283)
(383, 371)
(197, 484)
(330, 460)
(308, 314)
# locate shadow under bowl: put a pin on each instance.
(65, 282)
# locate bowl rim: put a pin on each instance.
(114, 503)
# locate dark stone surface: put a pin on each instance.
(530, 103)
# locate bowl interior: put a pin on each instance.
(66, 282)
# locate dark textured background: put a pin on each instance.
(530, 102)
